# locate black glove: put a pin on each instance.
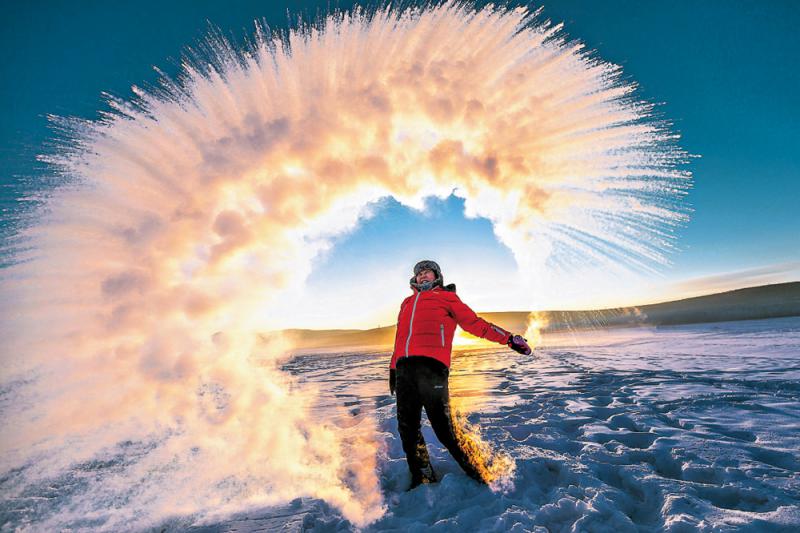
(392, 380)
(519, 344)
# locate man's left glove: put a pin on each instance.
(519, 344)
(392, 380)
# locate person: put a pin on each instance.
(419, 369)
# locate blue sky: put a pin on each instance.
(725, 74)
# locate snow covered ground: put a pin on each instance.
(683, 428)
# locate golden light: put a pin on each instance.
(537, 321)
(188, 215)
(464, 339)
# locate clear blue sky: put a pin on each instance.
(725, 73)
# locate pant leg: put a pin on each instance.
(436, 400)
(409, 413)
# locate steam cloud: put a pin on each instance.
(131, 317)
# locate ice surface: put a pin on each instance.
(689, 428)
(679, 429)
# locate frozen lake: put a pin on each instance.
(683, 428)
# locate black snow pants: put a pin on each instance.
(422, 382)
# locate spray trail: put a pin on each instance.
(134, 375)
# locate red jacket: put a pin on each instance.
(427, 322)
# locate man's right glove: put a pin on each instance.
(519, 344)
(392, 380)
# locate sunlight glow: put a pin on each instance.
(136, 307)
(537, 321)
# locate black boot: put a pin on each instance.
(423, 476)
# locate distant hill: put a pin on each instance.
(766, 301)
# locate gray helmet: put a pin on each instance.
(425, 265)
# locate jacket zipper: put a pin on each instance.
(441, 329)
(411, 322)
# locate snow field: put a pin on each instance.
(678, 429)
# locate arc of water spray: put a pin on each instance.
(131, 317)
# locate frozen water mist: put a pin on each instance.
(136, 385)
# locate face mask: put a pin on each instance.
(425, 285)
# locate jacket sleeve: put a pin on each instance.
(393, 361)
(472, 323)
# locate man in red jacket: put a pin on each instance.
(420, 366)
